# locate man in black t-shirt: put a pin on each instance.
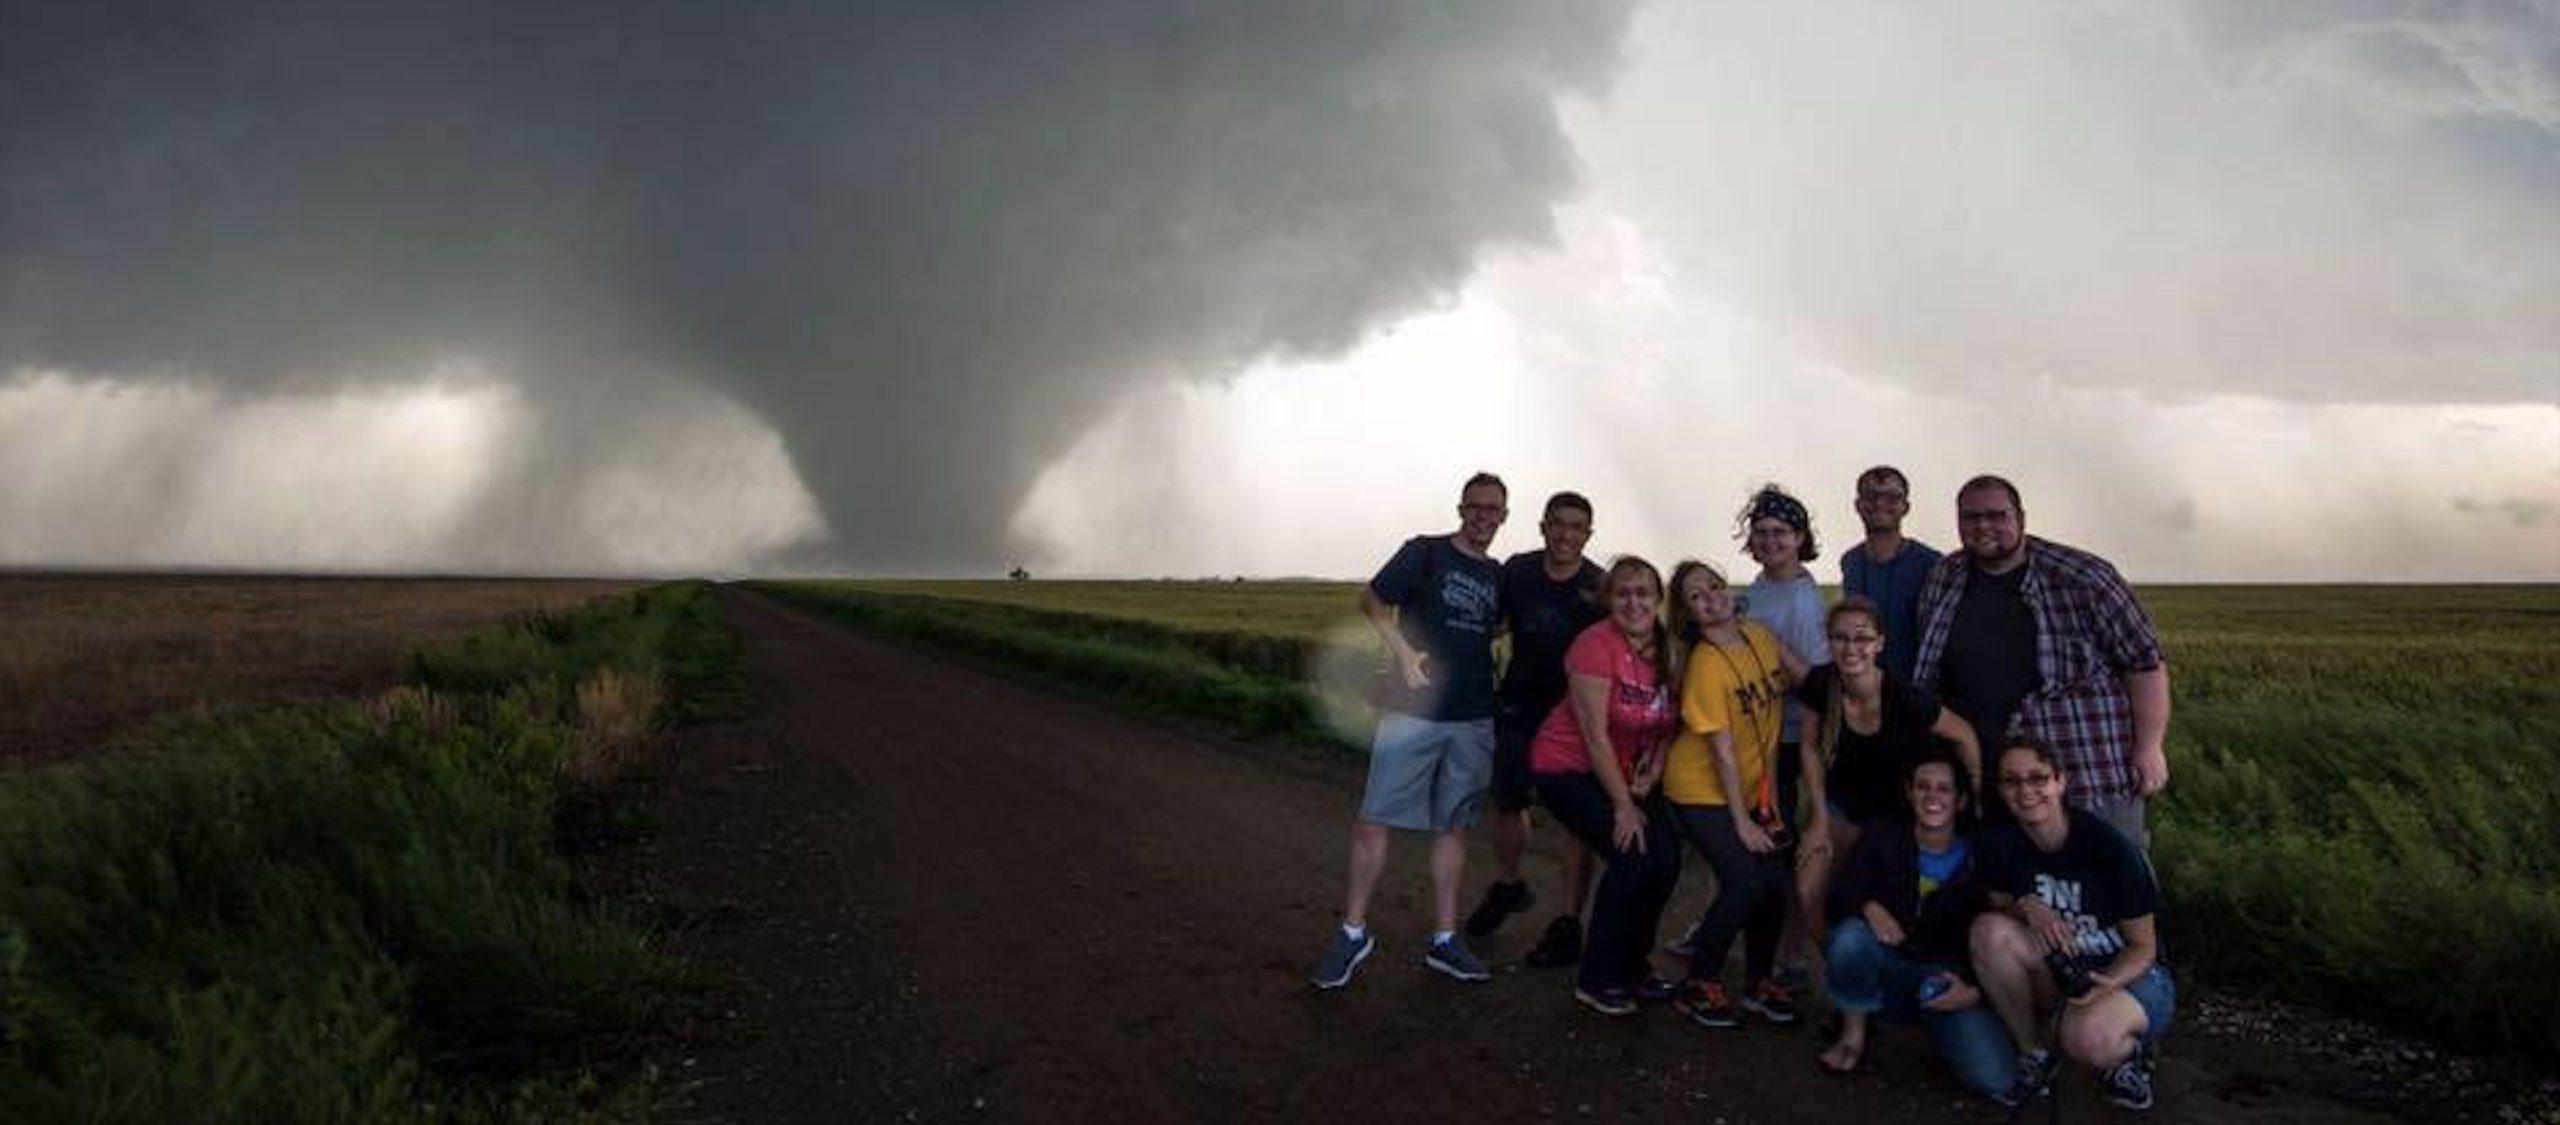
(1435, 606)
(1548, 597)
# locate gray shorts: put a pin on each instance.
(1428, 776)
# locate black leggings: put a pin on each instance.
(1751, 895)
(1627, 906)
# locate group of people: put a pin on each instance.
(1936, 787)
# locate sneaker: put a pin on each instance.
(1687, 943)
(2128, 1083)
(1340, 959)
(1704, 1003)
(1451, 957)
(1793, 978)
(1770, 1002)
(1606, 1001)
(1655, 990)
(2033, 1077)
(1501, 901)
(1561, 945)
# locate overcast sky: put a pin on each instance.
(2258, 292)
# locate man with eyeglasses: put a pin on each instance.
(1888, 568)
(1435, 606)
(2022, 635)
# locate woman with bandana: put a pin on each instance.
(1777, 532)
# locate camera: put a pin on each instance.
(1771, 823)
(2069, 978)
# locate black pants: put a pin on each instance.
(1626, 907)
(1751, 895)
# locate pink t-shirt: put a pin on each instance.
(1640, 708)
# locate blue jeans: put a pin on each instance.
(1627, 905)
(1866, 975)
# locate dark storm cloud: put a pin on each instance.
(926, 241)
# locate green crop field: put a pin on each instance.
(2364, 778)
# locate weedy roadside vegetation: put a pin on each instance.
(2365, 778)
(353, 911)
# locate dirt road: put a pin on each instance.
(948, 896)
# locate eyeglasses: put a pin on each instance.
(2037, 780)
(1987, 515)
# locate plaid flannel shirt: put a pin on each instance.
(2090, 632)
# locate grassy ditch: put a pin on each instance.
(346, 912)
(2364, 778)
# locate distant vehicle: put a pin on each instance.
(1019, 575)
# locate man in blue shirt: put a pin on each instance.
(1435, 606)
(1887, 568)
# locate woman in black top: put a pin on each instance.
(2073, 923)
(1868, 728)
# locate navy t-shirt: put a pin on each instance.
(2097, 880)
(1545, 615)
(1865, 776)
(1447, 605)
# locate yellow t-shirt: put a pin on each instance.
(1741, 688)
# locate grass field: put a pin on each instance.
(86, 655)
(350, 910)
(2364, 777)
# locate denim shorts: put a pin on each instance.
(1428, 776)
(2157, 992)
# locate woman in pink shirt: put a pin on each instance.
(1596, 762)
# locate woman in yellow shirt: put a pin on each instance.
(1721, 778)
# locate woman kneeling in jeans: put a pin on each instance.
(1901, 910)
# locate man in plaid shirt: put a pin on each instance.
(2020, 634)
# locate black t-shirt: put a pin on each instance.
(1990, 660)
(1447, 605)
(1865, 777)
(2097, 880)
(1545, 615)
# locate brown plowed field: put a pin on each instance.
(82, 656)
(937, 894)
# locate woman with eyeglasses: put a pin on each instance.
(1868, 728)
(1595, 762)
(2074, 921)
(1722, 780)
(1901, 914)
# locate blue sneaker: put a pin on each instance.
(2032, 1079)
(1341, 958)
(2128, 1083)
(1451, 957)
